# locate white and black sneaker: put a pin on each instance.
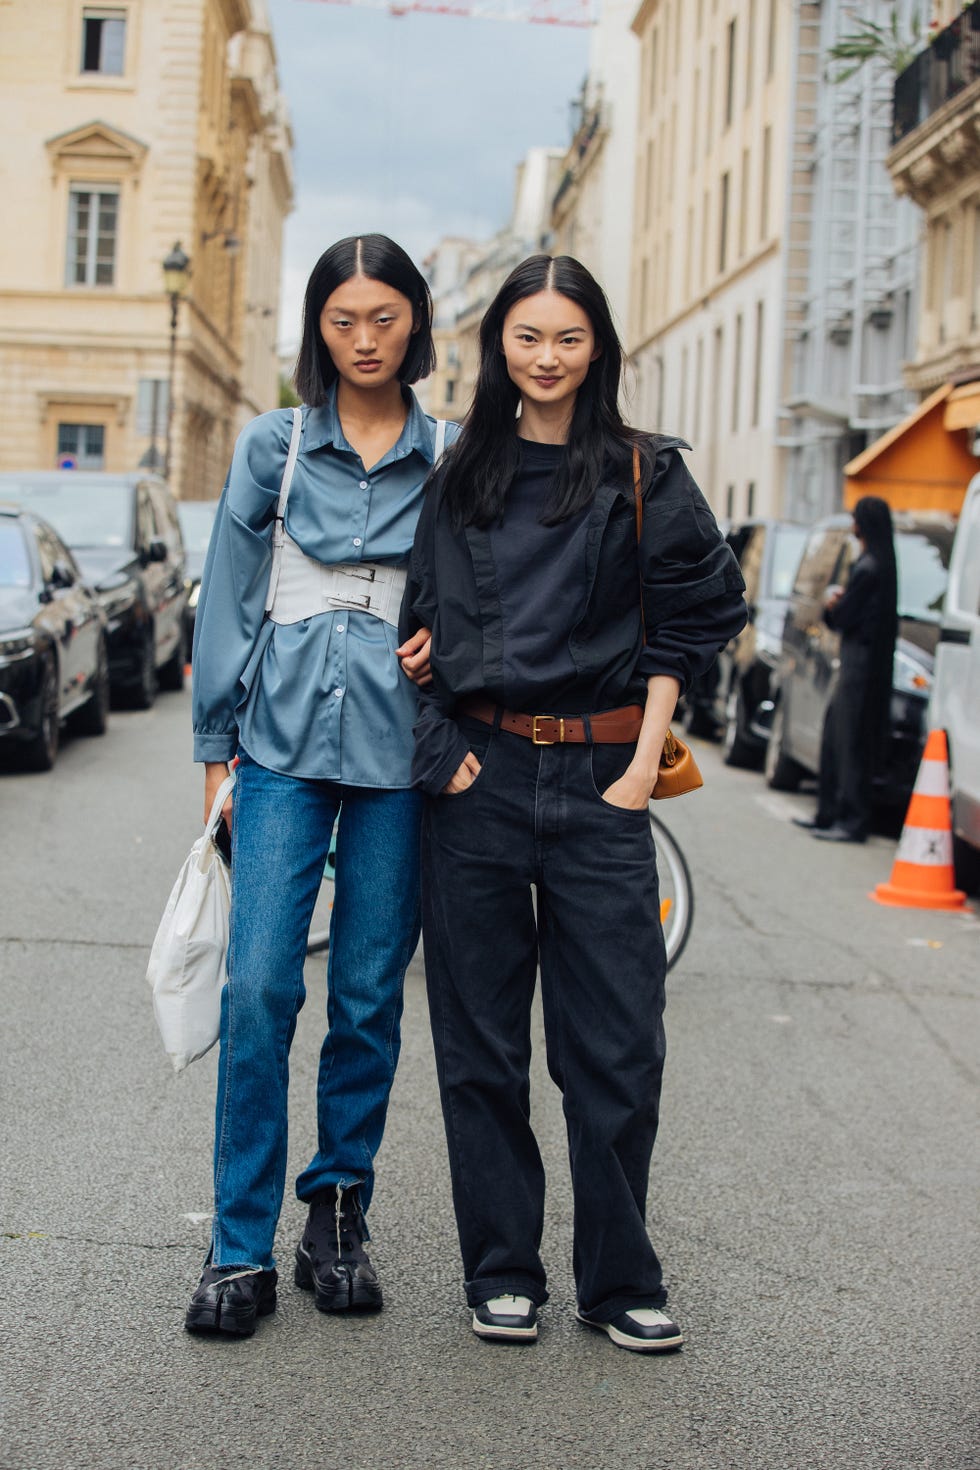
(507, 1319)
(642, 1329)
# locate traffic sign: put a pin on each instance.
(67, 462)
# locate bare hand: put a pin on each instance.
(414, 655)
(631, 792)
(464, 777)
(214, 773)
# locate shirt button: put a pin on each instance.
(337, 693)
(357, 540)
(340, 627)
(364, 484)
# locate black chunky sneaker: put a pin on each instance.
(641, 1329)
(506, 1319)
(331, 1260)
(229, 1301)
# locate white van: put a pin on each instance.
(955, 702)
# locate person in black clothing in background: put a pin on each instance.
(855, 728)
(538, 748)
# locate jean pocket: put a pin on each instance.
(607, 763)
(480, 739)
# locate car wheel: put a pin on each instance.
(737, 749)
(145, 688)
(966, 865)
(782, 772)
(697, 721)
(171, 674)
(41, 752)
(93, 717)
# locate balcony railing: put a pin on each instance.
(950, 63)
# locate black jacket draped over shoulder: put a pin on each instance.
(692, 600)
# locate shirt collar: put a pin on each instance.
(323, 427)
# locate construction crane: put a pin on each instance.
(581, 13)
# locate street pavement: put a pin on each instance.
(814, 1192)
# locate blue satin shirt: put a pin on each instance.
(324, 698)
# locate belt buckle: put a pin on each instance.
(536, 739)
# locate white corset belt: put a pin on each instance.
(305, 587)
(300, 587)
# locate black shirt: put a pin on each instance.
(691, 589)
(539, 572)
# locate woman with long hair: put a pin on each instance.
(537, 747)
(855, 728)
(298, 672)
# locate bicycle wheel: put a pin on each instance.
(319, 936)
(676, 890)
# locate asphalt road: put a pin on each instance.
(814, 1194)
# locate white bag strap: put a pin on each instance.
(221, 796)
(440, 445)
(279, 530)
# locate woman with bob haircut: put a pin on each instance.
(537, 748)
(297, 672)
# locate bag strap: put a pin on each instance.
(638, 507)
(220, 797)
(279, 530)
(440, 444)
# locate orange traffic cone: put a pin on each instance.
(922, 874)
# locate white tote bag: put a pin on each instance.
(187, 962)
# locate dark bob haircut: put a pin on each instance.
(380, 259)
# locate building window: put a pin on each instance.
(750, 499)
(103, 42)
(730, 78)
(93, 222)
(710, 126)
(743, 206)
(698, 377)
(450, 393)
(749, 42)
(730, 502)
(975, 308)
(84, 443)
(737, 374)
(757, 367)
(682, 410)
(764, 190)
(723, 224)
(771, 49)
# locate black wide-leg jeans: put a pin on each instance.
(535, 816)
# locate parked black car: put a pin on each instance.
(196, 523)
(54, 663)
(808, 665)
(734, 697)
(124, 532)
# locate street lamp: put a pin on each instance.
(176, 274)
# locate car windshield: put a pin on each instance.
(15, 566)
(788, 543)
(196, 520)
(84, 514)
(923, 567)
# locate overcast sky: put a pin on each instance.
(412, 125)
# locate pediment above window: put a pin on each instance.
(96, 147)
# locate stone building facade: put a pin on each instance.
(129, 127)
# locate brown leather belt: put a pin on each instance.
(611, 727)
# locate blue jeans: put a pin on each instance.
(280, 838)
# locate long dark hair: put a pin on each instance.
(873, 519)
(482, 463)
(380, 259)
